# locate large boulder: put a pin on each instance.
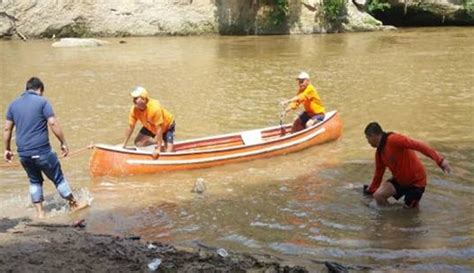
(78, 42)
(361, 21)
(427, 12)
(72, 18)
(5, 27)
(311, 19)
(7, 24)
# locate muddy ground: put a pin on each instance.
(27, 246)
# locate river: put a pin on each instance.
(305, 206)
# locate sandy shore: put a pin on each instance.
(27, 246)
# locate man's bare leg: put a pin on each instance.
(385, 191)
(297, 126)
(39, 210)
(143, 140)
(169, 147)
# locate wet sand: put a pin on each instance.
(33, 246)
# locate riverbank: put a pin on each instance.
(45, 19)
(27, 246)
(60, 19)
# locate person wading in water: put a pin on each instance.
(397, 152)
(31, 114)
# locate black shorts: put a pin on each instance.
(304, 117)
(412, 194)
(168, 136)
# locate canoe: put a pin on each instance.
(114, 160)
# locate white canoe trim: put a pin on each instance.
(225, 157)
(120, 149)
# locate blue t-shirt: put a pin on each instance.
(29, 113)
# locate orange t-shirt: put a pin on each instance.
(153, 116)
(311, 101)
(399, 156)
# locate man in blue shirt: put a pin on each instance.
(31, 114)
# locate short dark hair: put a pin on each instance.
(373, 128)
(34, 83)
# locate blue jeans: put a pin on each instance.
(48, 164)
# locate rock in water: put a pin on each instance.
(334, 267)
(79, 42)
(199, 186)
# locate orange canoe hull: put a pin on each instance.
(110, 160)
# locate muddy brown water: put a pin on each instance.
(304, 206)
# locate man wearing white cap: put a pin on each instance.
(308, 96)
(158, 124)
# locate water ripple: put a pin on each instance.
(242, 240)
(271, 226)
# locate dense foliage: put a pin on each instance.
(280, 12)
(335, 11)
(377, 5)
(469, 6)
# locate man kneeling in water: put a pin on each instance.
(397, 152)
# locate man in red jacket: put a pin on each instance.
(397, 152)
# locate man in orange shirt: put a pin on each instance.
(397, 152)
(309, 97)
(158, 124)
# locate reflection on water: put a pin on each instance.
(306, 206)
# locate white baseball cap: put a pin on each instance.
(139, 92)
(303, 76)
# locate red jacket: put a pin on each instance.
(399, 156)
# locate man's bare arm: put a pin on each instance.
(58, 132)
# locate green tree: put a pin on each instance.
(335, 11)
(469, 6)
(377, 5)
(280, 12)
